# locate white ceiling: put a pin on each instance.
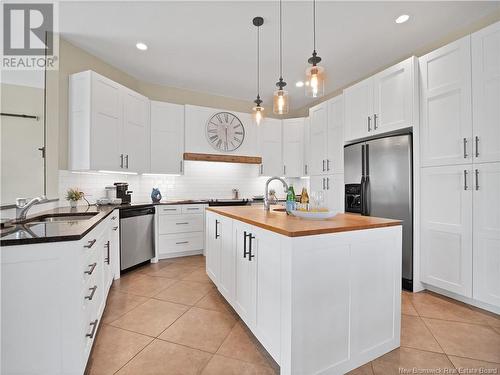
(211, 46)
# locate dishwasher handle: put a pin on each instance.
(132, 212)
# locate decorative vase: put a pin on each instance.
(156, 195)
(73, 204)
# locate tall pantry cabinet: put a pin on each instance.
(460, 174)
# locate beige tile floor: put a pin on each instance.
(168, 318)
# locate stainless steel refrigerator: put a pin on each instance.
(379, 182)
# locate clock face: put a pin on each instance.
(225, 132)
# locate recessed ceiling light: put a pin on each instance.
(141, 46)
(402, 18)
(299, 84)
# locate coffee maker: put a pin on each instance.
(123, 192)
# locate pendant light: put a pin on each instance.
(315, 75)
(258, 109)
(280, 100)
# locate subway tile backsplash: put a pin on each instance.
(201, 180)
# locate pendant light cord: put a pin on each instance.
(258, 62)
(314, 25)
(281, 43)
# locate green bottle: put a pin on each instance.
(290, 200)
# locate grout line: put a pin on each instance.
(475, 359)
(432, 333)
(140, 351)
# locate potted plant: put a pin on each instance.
(73, 196)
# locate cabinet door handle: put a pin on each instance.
(181, 242)
(185, 223)
(327, 164)
(245, 252)
(94, 327)
(328, 183)
(91, 269)
(113, 218)
(121, 160)
(477, 179)
(126, 161)
(465, 180)
(180, 168)
(305, 169)
(324, 186)
(115, 228)
(323, 165)
(477, 146)
(465, 148)
(369, 126)
(90, 244)
(92, 292)
(250, 255)
(216, 229)
(107, 257)
(284, 170)
(375, 121)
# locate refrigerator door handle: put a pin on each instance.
(363, 197)
(366, 190)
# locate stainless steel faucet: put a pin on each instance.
(22, 206)
(267, 206)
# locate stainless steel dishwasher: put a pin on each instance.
(137, 243)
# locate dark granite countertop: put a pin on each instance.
(42, 232)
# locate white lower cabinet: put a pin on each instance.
(180, 230)
(53, 296)
(486, 233)
(460, 231)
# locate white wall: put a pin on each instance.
(202, 180)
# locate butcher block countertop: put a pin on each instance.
(292, 226)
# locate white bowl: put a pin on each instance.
(314, 215)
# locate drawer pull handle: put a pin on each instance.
(193, 208)
(113, 218)
(170, 209)
(250, 255)
(181, 242)
(107, 246)
(185, 223)
(115, 228)
(94, 327)
(91, 269)
(92, 292)
(90, 244)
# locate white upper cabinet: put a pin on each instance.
(446, 228)
(446, 109)
(318, 117)
(307, 147)
(382, 103)
(269, 136)
(293, 147)
(108, 125)
(486, 234)
(167, 138)
(486, 93)
(335, 148)
(358, 104)
(135, 131)
(394, 97)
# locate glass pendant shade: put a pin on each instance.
(315, 81)
(280, 102)
(258, 113)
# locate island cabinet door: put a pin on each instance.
(246, 277)
(227, 277)
(266, 252)
(213, 246)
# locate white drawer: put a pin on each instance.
(180, 224)
(175, 243)
(169, 210)
(193, 208)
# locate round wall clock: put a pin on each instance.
(225, 131)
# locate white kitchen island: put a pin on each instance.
(323, 297)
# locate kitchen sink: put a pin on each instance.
(58, 218)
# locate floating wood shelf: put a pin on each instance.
(223, 158)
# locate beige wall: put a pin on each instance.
(491, 18)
